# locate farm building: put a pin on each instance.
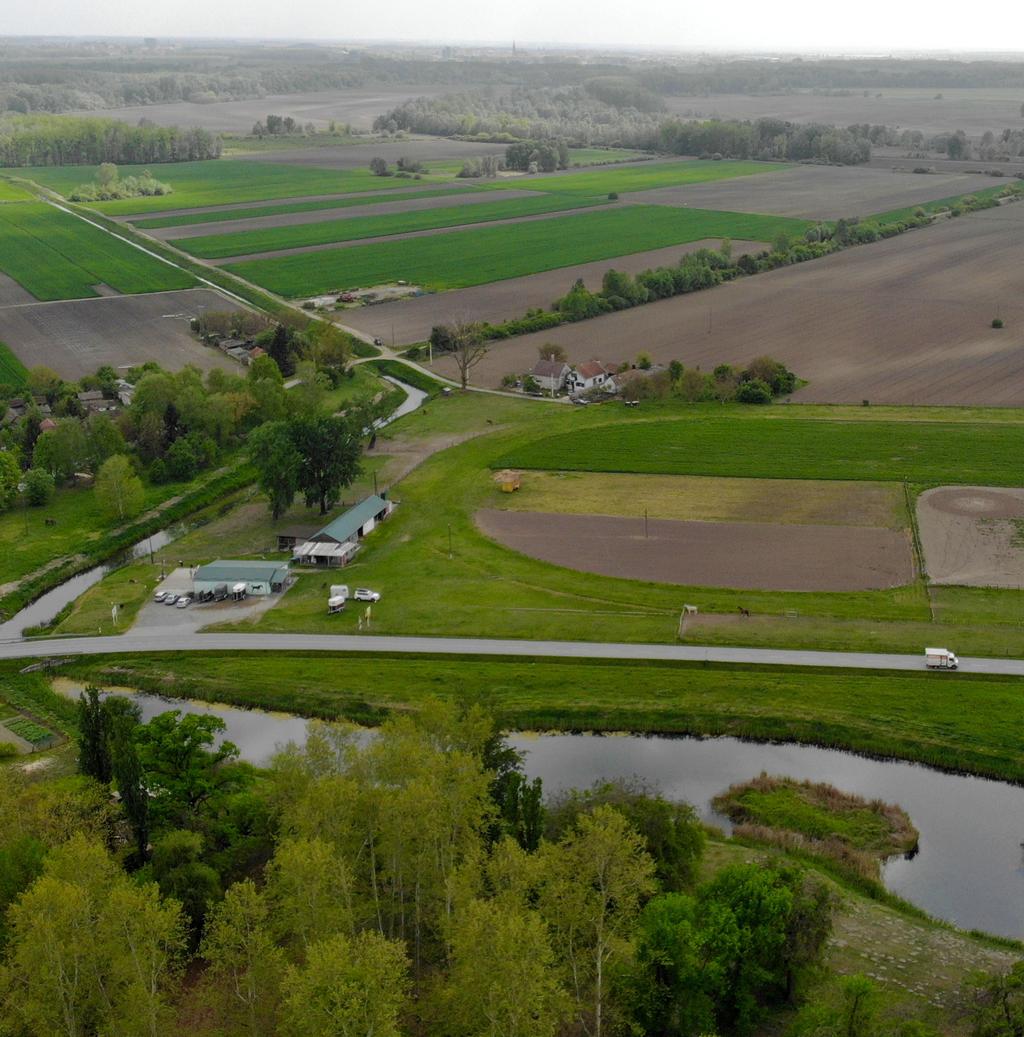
(229, 576)
(550, 375)
(335, 544)
(591, 375)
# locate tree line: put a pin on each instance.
(51, 140)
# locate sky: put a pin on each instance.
(809, 26)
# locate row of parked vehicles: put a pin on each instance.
(340, 594)
(180, 601)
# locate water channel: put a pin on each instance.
(968, 869)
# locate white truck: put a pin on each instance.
(940, 659)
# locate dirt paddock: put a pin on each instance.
(972, 535)
(746, 556)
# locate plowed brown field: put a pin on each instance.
(749, 556)
(906, 320)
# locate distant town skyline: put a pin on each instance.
(871, 27)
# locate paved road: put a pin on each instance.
(149, 643)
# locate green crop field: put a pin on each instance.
(55, 255)
(10, 192)
(228, 215)
(645, 177)
(12, 370)
(28, 729)
(217, 182)
(920, 452)
(485, 254)
(217, 246)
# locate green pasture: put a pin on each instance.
(12, 371)
(921, 452)
(484, 254)
(217, 182)
(645, 177)
(228, 215)
(915, 716)
(219, 246)
(55, 255)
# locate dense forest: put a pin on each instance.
(599, 113)
(408, 882)
(49, 140)
(63, 76)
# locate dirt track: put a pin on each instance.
(819, 192)
(906, 320)
(75, 338)
(410, 320)
(750, 556)
(295, 219)
(971, 535)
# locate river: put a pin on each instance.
(968, 869)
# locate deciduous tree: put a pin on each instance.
(118, 489)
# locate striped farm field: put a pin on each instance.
(218, 246)
(229, 215)
(55, 255)
(485, 254)
(217, 182)
(919, 452)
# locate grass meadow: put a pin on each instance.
(218, 246)
(485, 254)
(55, 255)
(915, 716)
(918, 451)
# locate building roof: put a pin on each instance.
(346, 526)
(549, 369)
(222, 571)
(591, 369)
(91, 395)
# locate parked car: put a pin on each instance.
(160, 595)
(365, 594)
(169, 598)
(580, 401)
(183, 602)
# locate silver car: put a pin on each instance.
(169, 598)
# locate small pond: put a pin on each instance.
(968, 869)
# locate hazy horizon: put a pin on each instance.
(793, 27)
